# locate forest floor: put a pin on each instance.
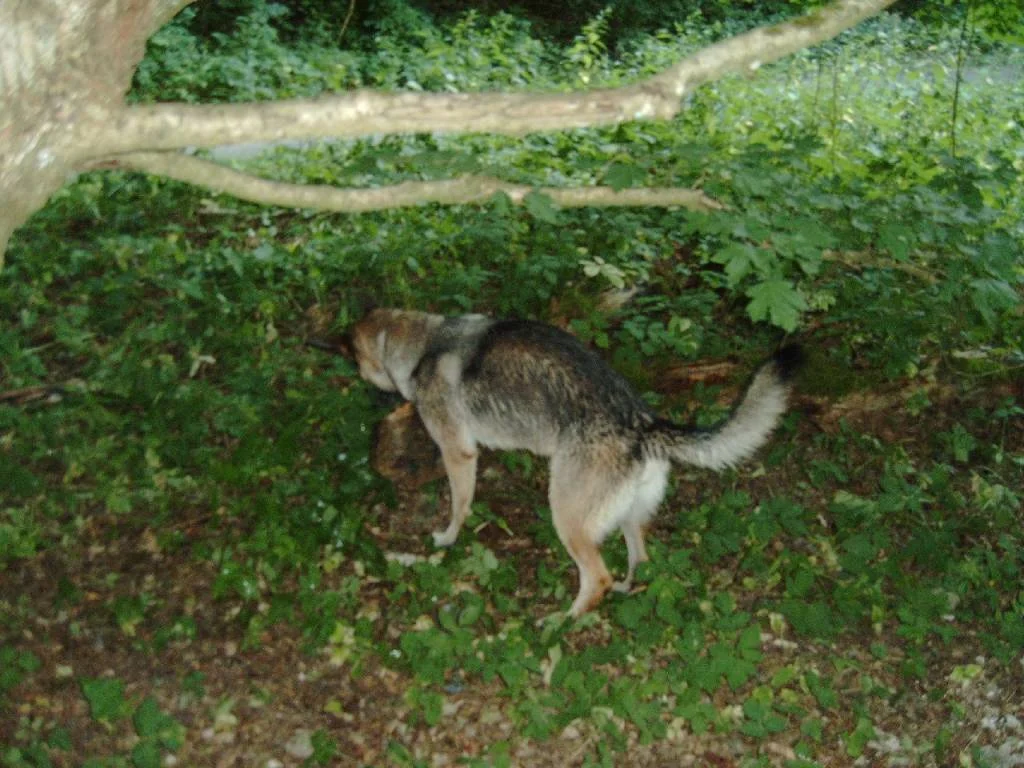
(228, 699)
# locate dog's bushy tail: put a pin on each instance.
(747, 428)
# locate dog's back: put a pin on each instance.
(530, 385)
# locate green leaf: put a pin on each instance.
(472, 611)
(15, 665)
(738, 672)
(106, 699)
(777, 300)
(749, 644)
(859, 738)
(541, 207)
(632, 613)
(30, 756)
(146, 754)
(148, 718)
(810, 618)
(822, 690)
(59, 738)
(741, 260)
(896, 238)
(501, 204)
(992, 297)
(622, 176)
(813, 728)
(324, 747)
(431, 704)
(151, 723)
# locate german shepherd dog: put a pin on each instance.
(517, 384)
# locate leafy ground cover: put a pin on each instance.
(200, 567)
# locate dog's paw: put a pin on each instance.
(445, 538)
(622, 586)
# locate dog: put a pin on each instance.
(517, 384)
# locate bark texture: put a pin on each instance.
(66, 65)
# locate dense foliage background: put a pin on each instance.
(160, 404)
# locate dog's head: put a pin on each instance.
(369, 340)
(388, 344)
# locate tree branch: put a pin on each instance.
(465, 189)
(165, 10)
(366, 112)
(746, 53)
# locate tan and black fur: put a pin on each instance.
(516, 384)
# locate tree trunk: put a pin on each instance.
(65, 67)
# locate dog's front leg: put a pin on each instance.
(460, 464)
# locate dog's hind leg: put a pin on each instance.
(634, 535)
(594, 577)
(649, 489)
(578, 495)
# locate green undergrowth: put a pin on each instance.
(153, 349)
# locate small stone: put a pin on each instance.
(300, 745)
